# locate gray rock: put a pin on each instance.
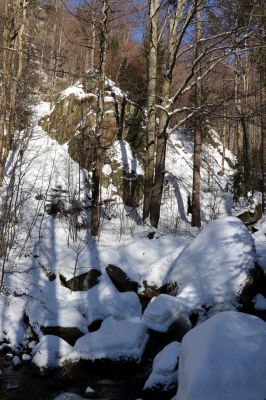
(82, 282)
(121, 280)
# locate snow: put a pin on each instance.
(115, 340)
(65, 317)
(213, 267)
(164, 368)
(89, 390)
(11, 320)
(216, 193)
(109, 99)
(121, 153)
(106, 170)
(76, 90)
(259, 302)
(162, 311)
(49, 352)
(26, 357)
(69, 396)
(115, 89)
(16, 361)
(224, 358)
(260, 242)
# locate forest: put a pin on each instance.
(132, 199)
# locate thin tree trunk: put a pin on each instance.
(196, 219)
(157, 190)
(263, 134)
(96, 177)
(151, 125)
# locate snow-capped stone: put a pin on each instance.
(69, 396)
(65, 321)
(215, 266)
(26, 357)
(224, 358)
(259, 302)
(260, 243)
(163, 311)
(164, 368)
(16, 361)
(49, 352)
(11, 322)
(91, 393)
(115, 340)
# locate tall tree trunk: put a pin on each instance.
(196, 219)
(151, 125)
(96, 176)
(16, 80)
(262, 91)
(157, 190)
(12, 71)
(164, 119)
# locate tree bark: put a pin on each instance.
(151, 124)
(196, 206)
(96, 175)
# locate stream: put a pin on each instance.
(110, 383)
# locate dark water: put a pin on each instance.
(110, 383)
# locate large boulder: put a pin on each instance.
(82, 282)
(120, 279)
(65, 322)
(49, 352)
(164, 369)
(164, 312)
(224, 358)
(215, 267)
(116, 340)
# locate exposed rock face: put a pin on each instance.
(121, 280)
(73, 121)
(82, 282)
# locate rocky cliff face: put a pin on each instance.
(72, 121)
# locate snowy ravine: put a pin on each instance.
(50, 324)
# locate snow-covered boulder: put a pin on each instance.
(260, 242)
(66, 322)
(163, 311)
(224, 358)
(259, 302)
(12, 328)
(214, 268)
(115, 340)
(104, 300)
(164, 369)
(49, 352)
